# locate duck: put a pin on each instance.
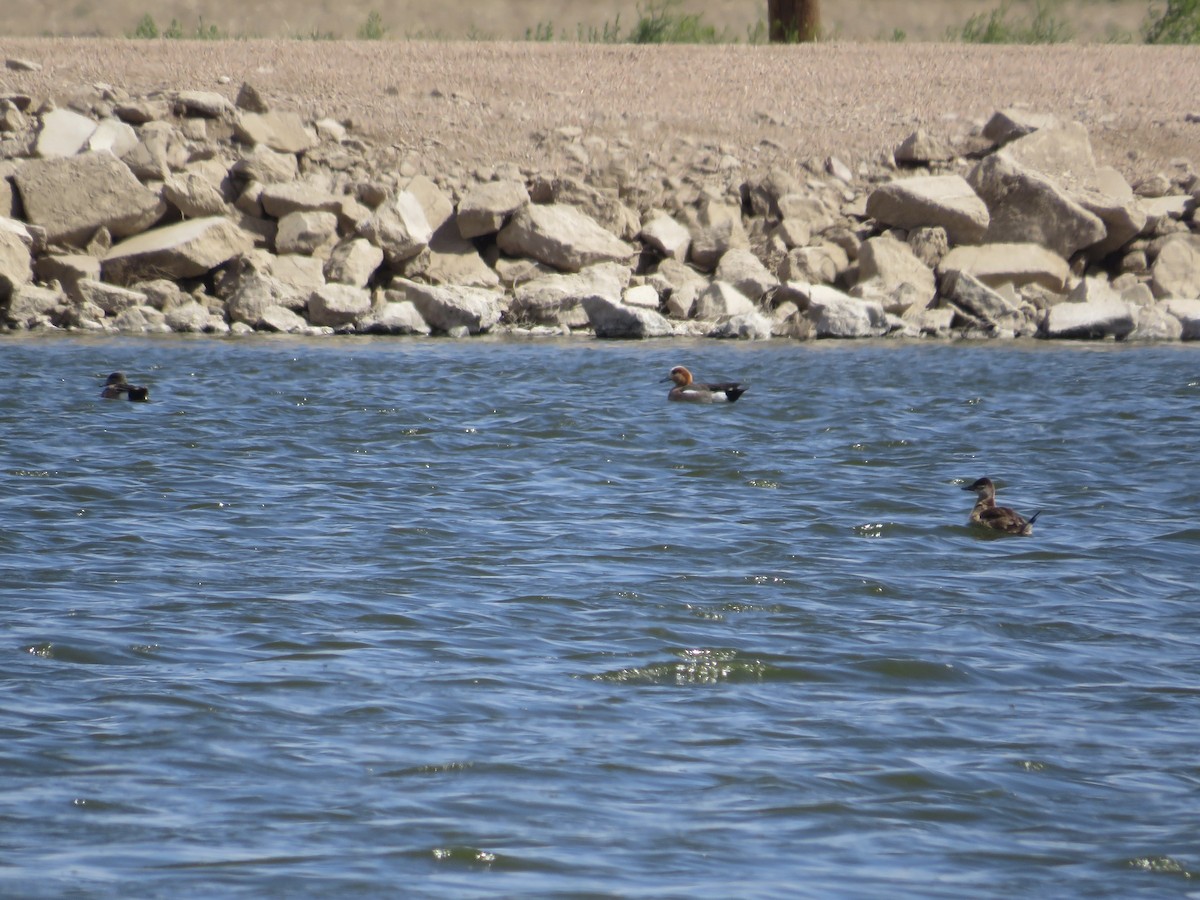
(116, 386)
(690, 391)
(998, 518)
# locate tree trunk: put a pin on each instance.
(791, 21)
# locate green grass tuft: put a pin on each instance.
(1179, 23)
(373, 29)
(997, 28)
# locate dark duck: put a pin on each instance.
(690, 391)
(117, 387)
(997, 518)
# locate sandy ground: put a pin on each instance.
(734, 20)
(477, 104)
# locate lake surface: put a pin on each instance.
(491, 618)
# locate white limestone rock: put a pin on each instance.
(281, 320)
(1156, 323)
(184, 250)
(1187, 312)
(1176, 271)
(446, 308)
(716, 228)
(667, 237)
(73, 197)
(451, 259)
(338, 305)
(1108, 317)
(266, 166)
(282, 198)
(887, 264)
(399, 228)
(752, 326)
(486, 207)
(113, 135)
(978, 301)
(307, 233)
(111, 298)
(641, 295)
(283, 132)
(557, 299)
(395, 315)
(63, 133)
(745, 271)
(353, 262)
(16, 260)
(1016, 264)
(722, 299)
(838, 315)
(922, 148)
(562, 237)
(194, 196)
(1025, 205)
(946, 201)
(613, 319)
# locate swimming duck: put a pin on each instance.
(999, 518)
(700, 392)
(116, 385)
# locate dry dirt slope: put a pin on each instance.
(1090, 20)
(471, 103)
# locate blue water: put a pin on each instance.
(380, 617)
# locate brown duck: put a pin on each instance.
(997, 518)
(690, 391)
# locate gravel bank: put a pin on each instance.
(472, 104)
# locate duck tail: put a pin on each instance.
(1033, 518)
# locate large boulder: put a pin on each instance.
(395, 315)
(72, 198)
(562, 237)
(838, 315)
(666, 237)
(338, 305)
(1027, 206)
(399, 228)
(979, 302)
(307, 233)
(184, 250)
(353, 262)
(715, 230)
(297, 196)
(16, 259)
(1176, 271)
(1187, 312)
(1016, 264)
(448, 308)
(283, 132)
(1064, 154)
(557, 298)
(614, 319)
(64, 133)
(452, 259)
(930, 201)
(742, 269)
(266, 166)
(886, 264)
(1106, 317)
(722, 299)
(194, 196)
(30, 306)
(486, 207)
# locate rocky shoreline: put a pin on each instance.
(184, 211)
